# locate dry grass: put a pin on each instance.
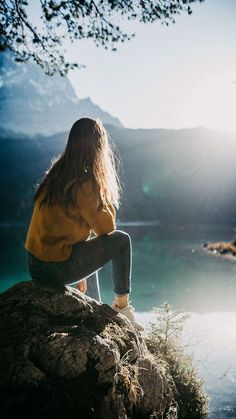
(126, 379)
(126, 376)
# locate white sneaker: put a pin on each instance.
(128, 311)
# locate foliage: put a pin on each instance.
(164, 343)
(76, 20)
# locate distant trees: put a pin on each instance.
(75, 19)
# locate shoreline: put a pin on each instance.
(226, 250)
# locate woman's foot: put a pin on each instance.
(128, 311)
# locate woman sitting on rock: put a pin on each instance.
(76, 198)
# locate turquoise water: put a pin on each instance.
(169, 264)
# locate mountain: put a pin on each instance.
(175, 176)
(178, 176)
(33, 103)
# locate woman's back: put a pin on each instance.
(53, 230)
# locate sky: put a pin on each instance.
(183, 75)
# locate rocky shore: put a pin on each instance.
(226, 249)
(63, 355)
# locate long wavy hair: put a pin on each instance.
(89, 155)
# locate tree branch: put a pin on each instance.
(29, 26)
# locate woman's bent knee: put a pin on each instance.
(122, 236)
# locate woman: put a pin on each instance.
(77, 198)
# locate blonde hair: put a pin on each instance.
(89, 155)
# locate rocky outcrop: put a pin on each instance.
(227, 249)
(64, 355)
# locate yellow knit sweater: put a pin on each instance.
(52, 232)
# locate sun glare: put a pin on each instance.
(213, 102)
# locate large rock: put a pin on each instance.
(64, 355)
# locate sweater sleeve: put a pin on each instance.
(101, 221)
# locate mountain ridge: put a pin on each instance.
(185, 176)
(34, 103)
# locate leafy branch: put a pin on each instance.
(76, 20)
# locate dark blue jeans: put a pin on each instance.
(86, 259)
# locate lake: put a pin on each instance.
(170, 265)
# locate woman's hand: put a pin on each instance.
(82, 286)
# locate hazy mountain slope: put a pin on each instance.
(180, 175)
(32, 103)
(172, 175)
